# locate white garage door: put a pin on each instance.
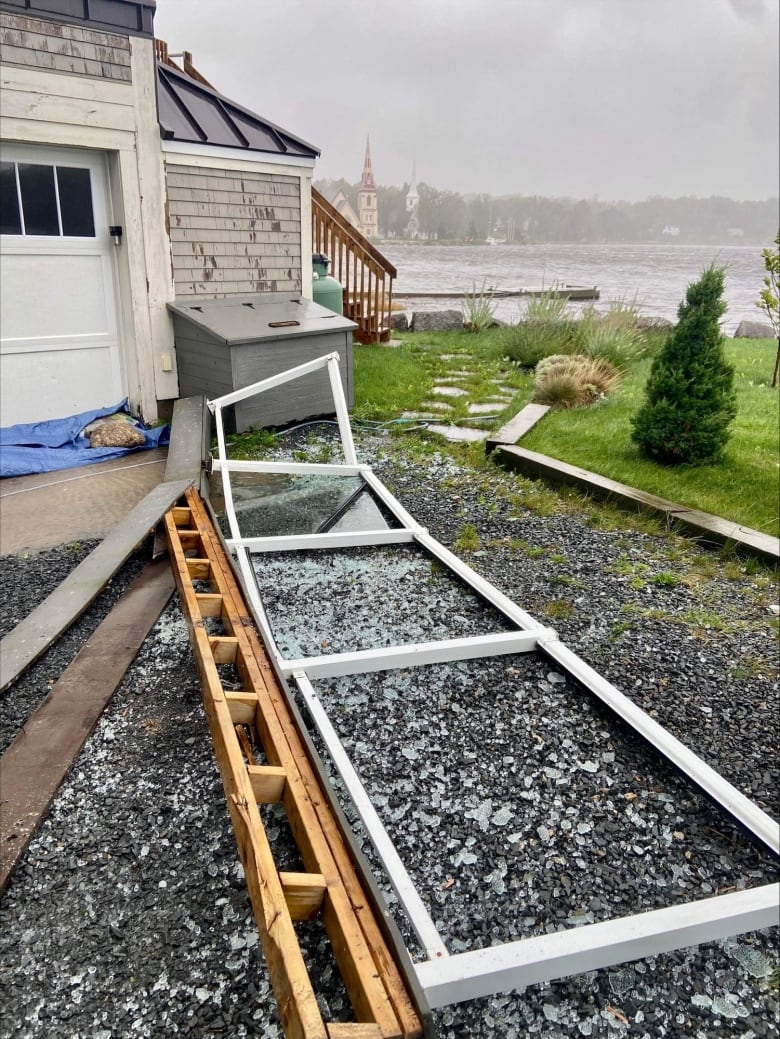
(59, 342)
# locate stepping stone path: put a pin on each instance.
(459, 433)
(483, 409)
(449, 391)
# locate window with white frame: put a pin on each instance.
(46, 200)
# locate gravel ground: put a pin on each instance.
(517, 805)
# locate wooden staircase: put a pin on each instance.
(366, 275)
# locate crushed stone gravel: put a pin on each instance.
(517, 804)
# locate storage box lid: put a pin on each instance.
(247, 319)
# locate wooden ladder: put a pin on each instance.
(330, 888)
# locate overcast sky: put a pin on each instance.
(619, 99)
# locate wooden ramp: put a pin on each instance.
(329, 887)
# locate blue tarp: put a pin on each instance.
(42, 447)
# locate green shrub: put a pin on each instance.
(690, 399)
(574, 382)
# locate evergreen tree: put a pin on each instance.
(689, 398)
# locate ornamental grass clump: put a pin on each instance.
(545, 327)
(478, 309)
(574, 382)
(690, 400)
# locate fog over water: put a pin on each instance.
(657, 275)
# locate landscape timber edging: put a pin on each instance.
(702, 524)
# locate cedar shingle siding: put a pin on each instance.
(233, 232)
(63, 48)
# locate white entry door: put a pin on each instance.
(59, 332)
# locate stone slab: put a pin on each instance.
(459, 434)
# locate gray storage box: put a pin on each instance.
(227, 344)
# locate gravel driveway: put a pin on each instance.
(517, 804)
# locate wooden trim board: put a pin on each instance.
(33, 636)
(35, 764)
(517, 426)
(704, 524)
(382, 1005)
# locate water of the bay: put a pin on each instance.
(656, 275)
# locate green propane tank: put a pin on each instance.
(326, 290)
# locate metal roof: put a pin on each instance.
(192, 112)
(123, 17)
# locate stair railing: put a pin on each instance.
(365, 274)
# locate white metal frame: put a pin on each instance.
(450, 978)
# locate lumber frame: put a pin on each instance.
(375, 986)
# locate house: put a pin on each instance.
(340, 202)
(126, 181)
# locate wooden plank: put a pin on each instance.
(366, 964)
(268, 782)
(209, 603)
(190, 426)
(37, 761)
(304, 893)
(66, 134)
(181, 515)
(297, 1003)
(705, 525)
(36, 107)
(223, 649)
(26, 80)
(199, 569)
(32, 636)
(518, 426)
(353, 1030)
(242, 706)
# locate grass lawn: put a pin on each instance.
(744, 488)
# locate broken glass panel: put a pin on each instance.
(273, 504)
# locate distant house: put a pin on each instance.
(340, 202)
(125, 182)
(671, 231)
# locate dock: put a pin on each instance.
(573, 292)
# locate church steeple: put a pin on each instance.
(367, 208)
(367, 180)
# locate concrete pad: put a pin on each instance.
(48, 509)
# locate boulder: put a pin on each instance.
(436, 321)
(754, 330)
(399, 322)
(647, 323)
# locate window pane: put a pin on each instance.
(10, 222)
(39, 202)
(75, 202)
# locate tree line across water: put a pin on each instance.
(535, 219)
